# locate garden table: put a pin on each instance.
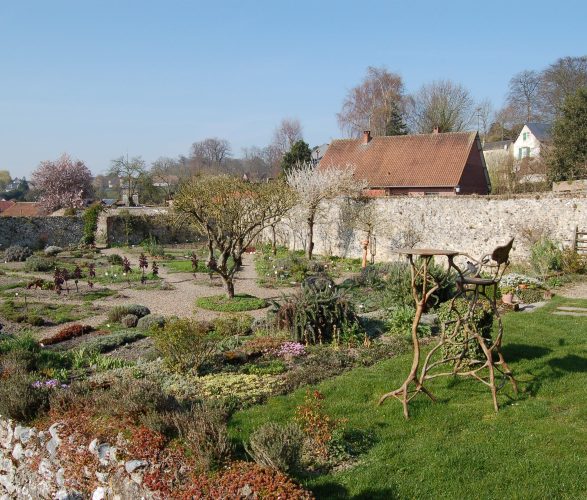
(423, 286)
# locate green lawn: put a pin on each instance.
(535, 447)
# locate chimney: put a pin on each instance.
(366, 136)
(435, 131)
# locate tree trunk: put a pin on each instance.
(273, 241)
(310, 237)
(229, 286)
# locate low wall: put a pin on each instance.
(470, 224)
(30, 467)
(38, 232)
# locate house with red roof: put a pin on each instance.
(22, 209)
(446, 164)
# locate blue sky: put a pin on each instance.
(99, 78)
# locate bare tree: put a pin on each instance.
(129, 172)
(442, 105)
(230, 213)
(371, 104)
(524, 94)
(485, 114)
(560, 80)
(212, 151)
(164, 172)
(315, 186)
(286, 135)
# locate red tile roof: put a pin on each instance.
(22, 209)
(427, 160)
(4, 204)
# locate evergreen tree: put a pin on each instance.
(396, 125)
(299, 154)
(568, 158)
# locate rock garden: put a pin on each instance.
(131, 371)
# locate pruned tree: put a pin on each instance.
(560, 80)
(373, 105)
(568, 156)
(442, 105)
(130, 173)
(212, 151)
(299, 154)
(63, 183)
(315, 186)
(230, 213)
(524, 95)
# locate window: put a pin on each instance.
(520, 153)
(524, 136)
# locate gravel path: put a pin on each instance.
(180, 301)
(575, 291)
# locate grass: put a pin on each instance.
(185, 266)
(38, 313)
(458, 447)
(240, 302)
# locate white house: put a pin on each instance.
(531, 140)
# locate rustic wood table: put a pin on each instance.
(423, 286)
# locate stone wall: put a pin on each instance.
(470, 224)
(134, 225)
(30, 467)
(38, 232)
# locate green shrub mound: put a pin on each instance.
(149, 321)
(106, 343)
(129, 321)
(39, 264)
(277, 446)
(16, 253)
(481, 322)
(319, 313)
(240, 302)
(52, 250)
(186, 344)
(118, 312)
(115, 259)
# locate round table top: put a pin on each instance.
(427, 252)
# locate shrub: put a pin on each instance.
(118, 312)
(481, 322)
(129, 397)
(400, 322)
(316, 424)
(277, 446)
(67, 333)
(152, 247)
(149, 321)
(16, 253)
(106, 343)
(203, 430)
(546, 256)
(248, 480)
(573, 263)
(115, 259)
(240, 302)
(240, 388)
(90, 218)
(237, 324)
(129, 321)
(186, 344)
(19, 400)
(52, 250)
(39, 264)
(318, 313)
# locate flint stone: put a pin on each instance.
(133, 465)
(17, 452)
